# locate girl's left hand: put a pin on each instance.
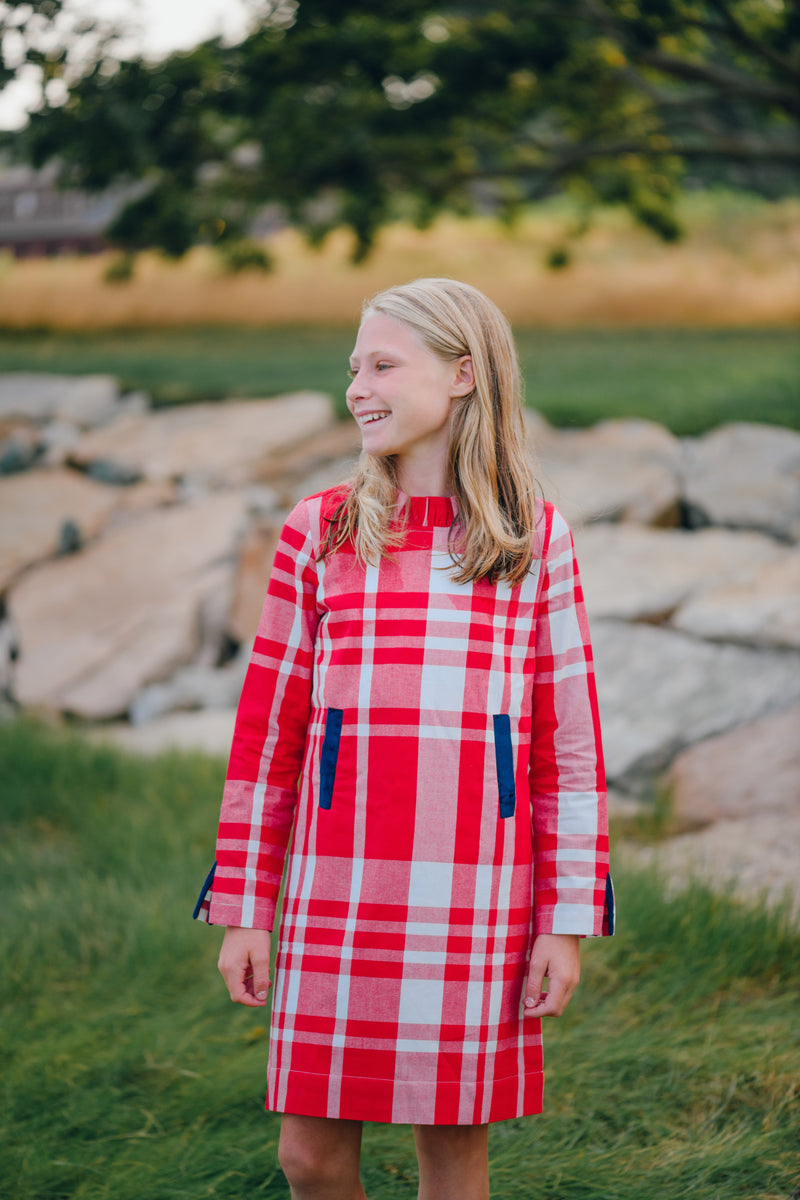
(557, 956)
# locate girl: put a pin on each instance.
(420, 716)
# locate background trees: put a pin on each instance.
(345, 112)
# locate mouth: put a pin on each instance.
(371, 418)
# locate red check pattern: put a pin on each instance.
(411, 904)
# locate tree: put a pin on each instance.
(347, 112)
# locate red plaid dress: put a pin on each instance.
(430, 754)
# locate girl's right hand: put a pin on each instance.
(244, 965)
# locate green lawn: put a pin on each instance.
(128, 1075)
(690, 380)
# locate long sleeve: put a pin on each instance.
(572, 887)
(261, 787)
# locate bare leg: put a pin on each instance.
(453, 1161)
(320, 1157)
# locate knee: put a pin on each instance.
(308, 1165)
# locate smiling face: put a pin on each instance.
(401, 395)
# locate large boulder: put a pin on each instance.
(84, 400)
(223, 444)
(637, 574)
(627, 470)
(36, 506)
(744, 476)
(98, 626)
(755, 856)
(752, 769)
(661, 691)
(759, 608)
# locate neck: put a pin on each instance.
(422, 478)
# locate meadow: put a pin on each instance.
(128, 1075)
(688, 379)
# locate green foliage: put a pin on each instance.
(127, 1074)
(120, 268)
(243, 254)
(343, 113)
(689, 380)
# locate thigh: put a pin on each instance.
(453, 1161)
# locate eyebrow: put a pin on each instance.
(376, 354)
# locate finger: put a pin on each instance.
(535, 982)
(235, 970)
(257, 979)
(550, 1003)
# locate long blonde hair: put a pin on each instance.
(488, 472)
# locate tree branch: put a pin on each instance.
(740, 35)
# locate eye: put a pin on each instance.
(382, 366)
(351, 374)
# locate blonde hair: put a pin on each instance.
(488, 472)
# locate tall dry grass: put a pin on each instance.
(738, 266)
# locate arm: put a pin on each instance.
(572, 894)
(261, 786)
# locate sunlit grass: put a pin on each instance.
(737, 266)
(128, 1075)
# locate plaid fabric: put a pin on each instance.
(435, 749)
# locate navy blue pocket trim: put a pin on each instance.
(330, 753)
(504, 758)
(610, 912)
(204, 892)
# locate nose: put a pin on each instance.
(355, 390)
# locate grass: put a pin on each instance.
(689, 380)
(127, 1075)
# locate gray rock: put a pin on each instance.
(744, 476)
(34, 507)
(752, 769)
(57, 440)
(99, 626)
(8, 654)
(209, 731)
(615, 471)
(760, 608)
(252, 578)
(84, 400)
(662, 691)
(222, 444)
(755, 857)
(638, 574)
(193, 688)
(19, 449)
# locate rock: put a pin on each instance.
(97, 627)
(222, 444)
(57, 440)
(762, 608)
(8, 654)
(638, 574)
(661, 691)
(192, 688)
(755, 857)
(615, 471)
(85, 400)
(252, 577)
(208, 731)
(19, 449)
(318, 463)
(112, 472)
(744, 476)
(35, 506)
(751, 770)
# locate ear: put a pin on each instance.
(463, 378)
